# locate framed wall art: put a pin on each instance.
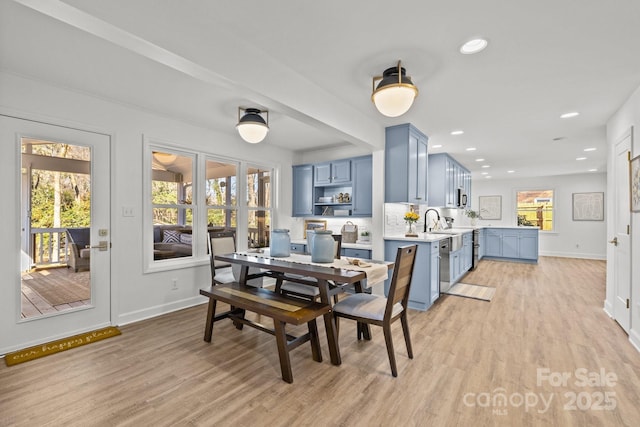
(314, 224)
(634, 184)
(588, 206)
(490, 207)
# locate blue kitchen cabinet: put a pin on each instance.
(528, 244)
(302, 202)
(406, 164)
(446, 176)
(337, 172)
(362, 173)
(356, 253)
(425, 283)
(514, 244)
(298, 248)
(316, 187)
(493, 243)
(481, 241)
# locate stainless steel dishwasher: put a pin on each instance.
(448, 245)
(445, 249)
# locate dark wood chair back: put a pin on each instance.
(401, 279)
(338, 239)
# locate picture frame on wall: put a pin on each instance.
(634, 183)
(314, 224)
(490, 207)
(588, 206)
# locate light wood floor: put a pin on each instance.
(467, 352)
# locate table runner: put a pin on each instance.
(376, 272)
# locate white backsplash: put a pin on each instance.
(333, 223)
(395, 225)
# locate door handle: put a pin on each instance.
(103, 245)
(614, 241)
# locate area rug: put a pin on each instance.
(57, 288)
(484, 293)
(57, 346)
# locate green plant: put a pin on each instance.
(472, 214)
(364, 233)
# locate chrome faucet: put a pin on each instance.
(426, 214)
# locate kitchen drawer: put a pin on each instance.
(298, 248)
(356, 253)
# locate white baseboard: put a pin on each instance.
(158, 310)
(608, 308)
(634, 339)
(574, 255)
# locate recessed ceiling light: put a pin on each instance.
(484, 173)
(569, 115)
(488, 176)
(473, 46)
(486, 166)
(479, 160)
(593, 170)
(510, 171)
(471, 149)
(457, 132)
(581, 158)
(437, 146)
(590, 149)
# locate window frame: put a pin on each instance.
(199, 255)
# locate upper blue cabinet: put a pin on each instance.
(405, 156)
(332, 173)
(337, 188)
(448, 182)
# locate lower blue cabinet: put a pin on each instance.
(515, 244)
(425, 283)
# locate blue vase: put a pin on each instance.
(280, 243)
(322, 246)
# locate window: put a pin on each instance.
(258, 206)
(535, 208)
(221, 194)
(172, 204)
(187, 193)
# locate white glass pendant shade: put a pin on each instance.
(395, 92)
(252, 127)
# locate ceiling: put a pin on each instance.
(311, 65)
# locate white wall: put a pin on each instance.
(626, 117)
(137, 295)
(574, 239)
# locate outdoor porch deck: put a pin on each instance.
(47, 291)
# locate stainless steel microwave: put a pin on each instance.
(462, 198)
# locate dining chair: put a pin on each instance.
(381, 311)
(310, 292)
(221, 242)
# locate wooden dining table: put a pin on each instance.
(278, 268)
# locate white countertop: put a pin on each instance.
(443, 234)
(344, 245)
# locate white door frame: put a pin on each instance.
(18, 333)
(621, 238)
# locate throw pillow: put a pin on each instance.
(186, 238)
(171, 236)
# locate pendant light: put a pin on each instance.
(252, 126)
(395, 92)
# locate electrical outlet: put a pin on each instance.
(174, 284)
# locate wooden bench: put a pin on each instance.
(267, 303)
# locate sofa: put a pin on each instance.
(172, 238)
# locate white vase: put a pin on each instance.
(474, 221)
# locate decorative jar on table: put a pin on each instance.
(280, 243)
